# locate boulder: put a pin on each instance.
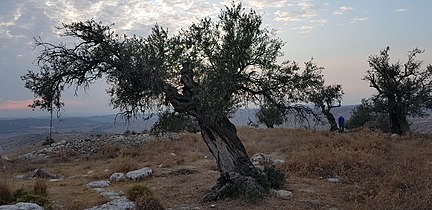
(117, 177)
(98, 184)
(116, 204)
(260, 160)
(21, 206)
(139, 174)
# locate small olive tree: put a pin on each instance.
(402, 89)
(326, 98)
(205, 71)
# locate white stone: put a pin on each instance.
(282, 194)
(21, 206)
(138, 174)
(116, 204)
(333, 180)
(261, 159)
(117, 177)
(98, 184)
(279, 161)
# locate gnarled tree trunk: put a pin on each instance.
(330, 118)
(238, 175)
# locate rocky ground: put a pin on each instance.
(361, 169)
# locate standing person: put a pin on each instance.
(341, 121)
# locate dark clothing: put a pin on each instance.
(341, 121)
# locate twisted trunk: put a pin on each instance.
(238, 176)
(330, 118)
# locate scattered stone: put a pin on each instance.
(333, 180)
(38, 173)
(286, 195)
(117, 177)
(21, 206)
(394, 136)
(139, 174)
(279, 161)
(116, 204)
(98, 184)
(213, 206)
(260, 160)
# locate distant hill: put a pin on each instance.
(20, 132)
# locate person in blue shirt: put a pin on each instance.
(341, 121)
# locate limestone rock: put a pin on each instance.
(333, 180)
(21, 206)
(98, 184)
(286, 195)
(116, 204)
(139, 174)
(117, 177)
(260, 160)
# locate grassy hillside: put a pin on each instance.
(375, 171)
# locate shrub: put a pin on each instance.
(148, 203)
(40, 188)
(174, 122)
(138, 191)
(275, 178)
(5, 193)
(20, 195)
(48, 141)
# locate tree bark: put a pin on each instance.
(238, 175)
(330, 118)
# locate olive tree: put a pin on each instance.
(402, 89)
(326, 98)
(206, 71)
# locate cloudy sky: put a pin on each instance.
(339, 35)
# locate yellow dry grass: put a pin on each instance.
(376, 171)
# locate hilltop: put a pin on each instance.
(361, 169)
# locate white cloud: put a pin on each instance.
(304, 13)
(342, 10)
(132, 16)
(401, 10)
(304, 29)
(260, 4)
(358, 19)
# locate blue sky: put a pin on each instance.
(339, 35)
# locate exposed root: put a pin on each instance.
(233, 184)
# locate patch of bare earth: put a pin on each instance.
(374, 171)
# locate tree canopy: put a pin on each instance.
(207, 71)
(402, 89)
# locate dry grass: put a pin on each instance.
(376, 171)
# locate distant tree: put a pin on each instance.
(327, 98)
(45, 96)
(206, 71)
(403, 89)
(174, 122)
(270, 115)
(361, 114)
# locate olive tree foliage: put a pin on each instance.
(270, 115)
(326, 98)
(206, 71)
(366, 115)
(402, 89)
